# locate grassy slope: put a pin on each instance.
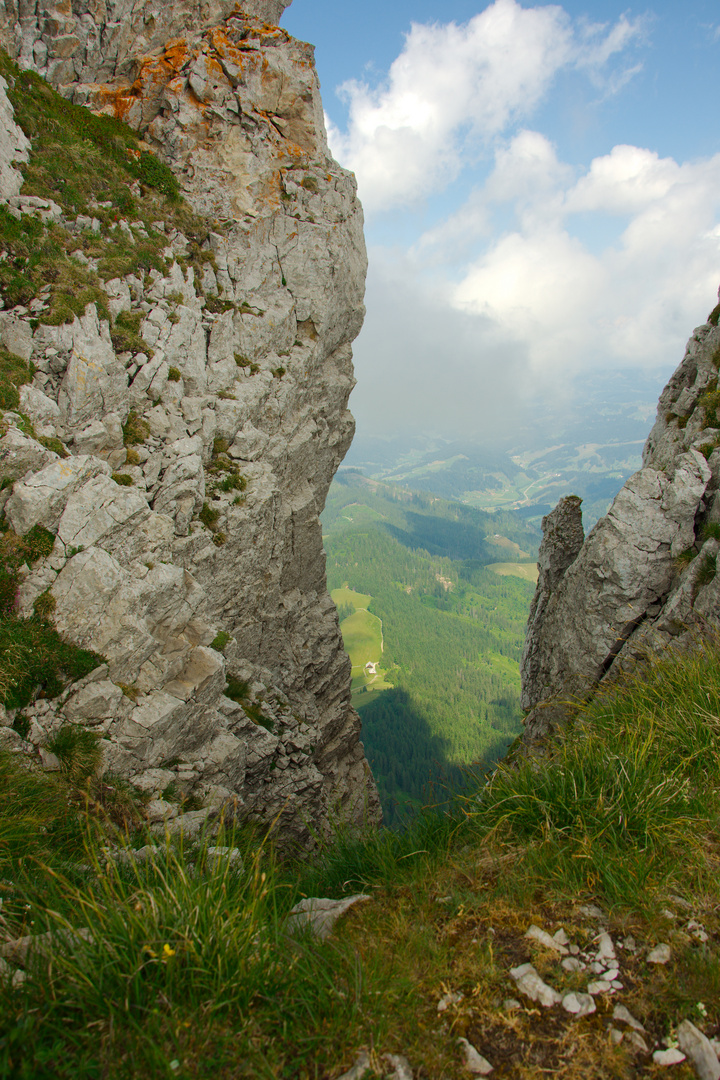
(190, 974)
(349, 596)
(362, 636)
(526, 571)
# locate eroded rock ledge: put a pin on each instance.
(245, 370)
(645, 576)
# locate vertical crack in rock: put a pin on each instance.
(207, 572)
(645, 576)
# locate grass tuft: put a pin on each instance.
(622, 810)
(14, 372)
(135, 430)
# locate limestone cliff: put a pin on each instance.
(187, 546)
(645, 576)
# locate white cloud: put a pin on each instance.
(597, 44)
(623, 181)
(627, 303)
(548, 270)
(453, 86)
(462, 346)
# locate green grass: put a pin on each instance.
(14, 372)
(126, 333)
(34, 659)
(349, 596)
(80, 159)
(135, 430)
(362, 637)
(526, 571)
(189, 973)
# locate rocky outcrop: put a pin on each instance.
(188, 549)
(645, 576)
(94, 42)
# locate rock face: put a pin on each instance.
(645, 576)
(182, 583)
(92, 42)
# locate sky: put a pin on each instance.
(541, 188)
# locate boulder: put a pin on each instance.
(41, 498)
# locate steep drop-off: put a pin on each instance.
(645, 576)
(202, 401)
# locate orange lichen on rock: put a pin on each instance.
(223, 46)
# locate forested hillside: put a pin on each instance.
(446, 692)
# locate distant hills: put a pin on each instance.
(589, 449)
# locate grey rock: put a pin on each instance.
(448, 999)
(534, 933)
(400, 1066)
(41, 498)
(98, 509)
(603, 603)
(225, 856)
(592, 911)
(40, 409)
(359, 1070)
(606, 949)
(600, 986)
(672, 1056)
(626, 1017)
(14, 146)
(529, 983)
(19, 454)
(153, 586)
(697, 1047)
(159, 810)
(189, 826)
(474, 1061)
(49, 761)
(94, 702)
(23, 951)
(635, 1041)
(144, 854)
(15, 334)
(660, 954)
(572, 963)
(319, 915)
(578, 1004)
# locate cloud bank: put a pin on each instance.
(548, 269)
(454, 87)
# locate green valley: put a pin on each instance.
(433, 617)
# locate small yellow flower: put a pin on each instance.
(167, 952)
(148, 950)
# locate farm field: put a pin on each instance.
(349, 596)
(363, 639)
(527, 571)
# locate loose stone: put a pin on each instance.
(578, 1004)
(659, 955)
(474, 1061)
(571, 963)
(668, 1057)
(529, 983)
(447, 1000)
(697, 1047)
(543, 938)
